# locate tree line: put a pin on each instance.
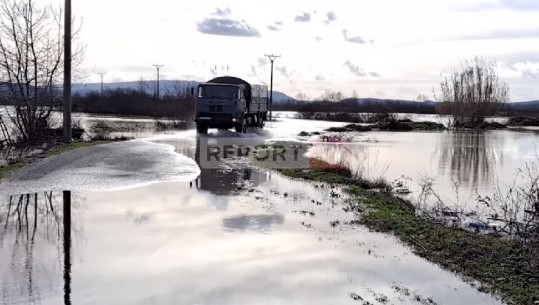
(179, 105)
(358, 105)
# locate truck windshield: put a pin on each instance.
(218, 91)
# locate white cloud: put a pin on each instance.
(525, 70)
(226, 27)
(411, 40)
(304, 17)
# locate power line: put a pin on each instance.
(157, 67)
(271, 58)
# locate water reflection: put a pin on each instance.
(67, 247)
(260, 222)
(471, 157)
(227, 178)
(361, 160)
(188, 255)
(33, 228)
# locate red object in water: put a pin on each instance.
(315, 163)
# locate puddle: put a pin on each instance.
(246, 236)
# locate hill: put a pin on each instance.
(530, 105)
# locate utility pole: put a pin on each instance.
(157, 67)
(102, 73)
(271, 58)
(67, 73)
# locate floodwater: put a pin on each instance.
(477, 162)
(237, 234)
(230, 236)
(462, 165)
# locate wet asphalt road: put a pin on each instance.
(113, 166)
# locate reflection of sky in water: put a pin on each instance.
(475, 161)
(165, 244)
(31, 240)
(259, 223)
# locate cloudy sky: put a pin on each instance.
(385, 48)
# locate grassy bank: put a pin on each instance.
(504, 267)
(58, 149)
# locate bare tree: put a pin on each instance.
(302, 97)
(31, 64)
(213, 71)
(332, 96)
(179, 89)
(143, 86)
(354, 95)
(473, 93)
(422, 98)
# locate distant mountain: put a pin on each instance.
(279, 97)
(149, 87)
(524, 105)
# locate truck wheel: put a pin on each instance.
(260, 122)
(242, 128)
(244, 125)
(239, 128)
(202, 128)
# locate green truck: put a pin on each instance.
(230, 102)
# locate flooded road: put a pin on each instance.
(231, 235)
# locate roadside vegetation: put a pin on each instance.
(31, 66)
(504, 265)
